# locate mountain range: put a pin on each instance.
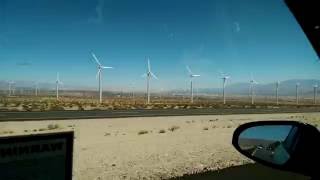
(287, 87)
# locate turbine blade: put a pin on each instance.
(153, 75)
(106, 67)
(144, 75)
(189, 70)
(149, 66)
(195, 75)
(95, 58)
(222, 74)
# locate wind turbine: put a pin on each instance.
(315, 92)
(149, 74)
(36, 86)
(277, 91)
(224, 79)
(297, 95)
(133, 89)
(252, 83)
(191, 75)
(161, 94)
(11, 91)
(58, 82)
(99, 75)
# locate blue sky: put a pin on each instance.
(272, 132)
(40, 37)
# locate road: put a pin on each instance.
(60, 115)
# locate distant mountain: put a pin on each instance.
(287, 87)
(41, 85)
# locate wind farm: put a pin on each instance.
(150, 89)
(292, 94)
(127, 122)
(251, 95)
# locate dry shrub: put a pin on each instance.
(162, 131)
(7, 132)
(173, 128)
(142, 132)
(205, 128)
(53, 126)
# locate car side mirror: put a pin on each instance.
(285, 145)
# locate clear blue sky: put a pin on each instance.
(40, 37)
(272, 132)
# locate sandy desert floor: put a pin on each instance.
(134, 148)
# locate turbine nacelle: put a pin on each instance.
(224, 76)
(191, 74)
(58, 79)
(99, 65)
(252, 81)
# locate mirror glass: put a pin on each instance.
(271, 143)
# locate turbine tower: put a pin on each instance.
(315, 92)
(191, 75)
(297, 95)
(133, 89)
(224, 80)
(36, 86)
(58, 82)
(149, 74)
(252, 83)
(99, 75)
(277, 92)
(11, 91)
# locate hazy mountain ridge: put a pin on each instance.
(287, 87)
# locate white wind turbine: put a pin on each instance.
(277, 92)
(11, 88)
(252, 83)
(133, 89)
(224, 78)
(191, 75)
(315, 92)
(36, 88)
(99, 74)
(58, 82)
(149, 74)
(297, 93)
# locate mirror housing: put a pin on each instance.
(305, 155)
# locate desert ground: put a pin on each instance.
(70, 103)
(151, 147)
